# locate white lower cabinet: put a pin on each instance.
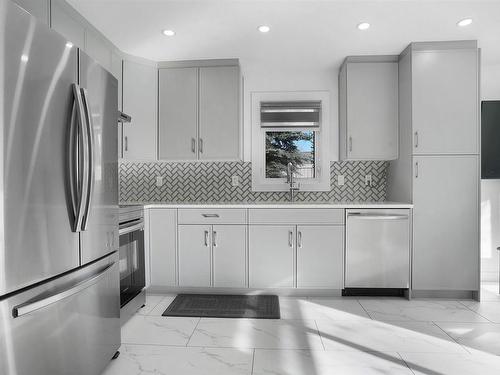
(271, 256)
(446, 222)
(212, 255)
(195, 255)
(229, 256)
(319, 256)
(162, 245)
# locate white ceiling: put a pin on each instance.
(304, 34)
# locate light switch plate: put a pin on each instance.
(159, 181)
(340, 180)
(235, 181)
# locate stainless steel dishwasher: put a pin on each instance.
(377, 248)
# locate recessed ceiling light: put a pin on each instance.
(464, 22)
(69, 45)
(264, 28)
(364, 26)
(24, 58)
(168, 32)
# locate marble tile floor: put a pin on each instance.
(318, 336)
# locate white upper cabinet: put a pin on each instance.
(139, 101)
(97, 48)
(66, 24)
(178, 125)
(368, 108)
(199, 111)
(219, 113)
(37, 8)
(445, 101)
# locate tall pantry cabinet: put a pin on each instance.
(438, 168)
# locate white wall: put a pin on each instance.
(288, 78)
(490, 190)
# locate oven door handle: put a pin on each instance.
(130, 229)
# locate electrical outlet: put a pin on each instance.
(235, 181)
(340, 180)
(368, 180)
(159, 181)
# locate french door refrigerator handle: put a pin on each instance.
(77, 176)
(89, 160)
(28, 307)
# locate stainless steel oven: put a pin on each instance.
(131, 264)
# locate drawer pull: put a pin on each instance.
(210, 215)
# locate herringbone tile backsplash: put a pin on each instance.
(211, 183)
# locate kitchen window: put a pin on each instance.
(294, 130)
(292, 146)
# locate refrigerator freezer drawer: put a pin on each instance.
(377, 249)
(70, 325)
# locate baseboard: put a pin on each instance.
(451, 294)
(277, 291)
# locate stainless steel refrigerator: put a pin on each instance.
(59, 281)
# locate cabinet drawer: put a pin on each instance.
(296, 216)
(212, 216)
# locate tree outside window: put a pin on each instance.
(296, 147)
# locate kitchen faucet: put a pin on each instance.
(291, 182)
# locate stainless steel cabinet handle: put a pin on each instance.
(210, 215)
(299, 239)
(416, 169)
(126, 143)
(416, 139)
(290, 238)
(350, 143)
(377, 217)
(90, 170)
(200, 145)
(214, 238)
(193, 145)
(206, 238)
(27, 308)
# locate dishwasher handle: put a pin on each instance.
(360, 216)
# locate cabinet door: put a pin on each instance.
(445, 102)
(37, 8)
(65, 24)
(162, 246)
(372, 111)
(446, 229)
(98, 49)
(139, 101)
(195, 255)
(178, 113)
(271, 255)
(219, 113)
(319, 256)
(229, 255)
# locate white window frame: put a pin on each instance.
(322, 139)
